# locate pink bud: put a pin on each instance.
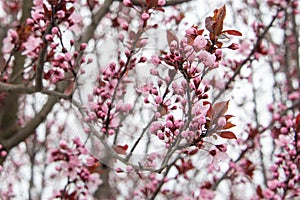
(3, 153)
(29, 21)
(54, 30)
(234, 46)
(158, 100)
(60, 14)
(145, 16)
(191, 31)
(155, 60)
(83, 46)
(127, 3)
(63, 144)
(161, 2)
(90, 60)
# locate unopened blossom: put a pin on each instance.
(191, 32)
(145, 16)
(200, 42)
(127, 3)
(161, 2)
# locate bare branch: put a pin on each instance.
(89, 32)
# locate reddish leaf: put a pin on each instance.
(228, 135)
(200, 32)
(209, 112)
(215, 24)
(232, 32)
(297, 121)
(119, 149)
(229, 125)
(228, 117)
(259, 191)
(171, 36)
(219, 109)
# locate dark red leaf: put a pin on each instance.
(229, 125)
(259, 191)
(215, 24)
(227, 135)
(119, 149)
(219, 109)
(232, 32)
(228, 117)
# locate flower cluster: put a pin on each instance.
(75, 163)
(284, 171)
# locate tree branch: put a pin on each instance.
(238, 70)
(96, 18)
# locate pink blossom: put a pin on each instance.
(127, 3)
(206, 58)
(268, 194)
(60, 14)
(206, 194)
(54, 30)
(234, 46)
(161, 2)
(160, 135)
(273, 184)
(3, 153)
(145, 16)
(155, 126)
(200, 42)
(63, 144)
(294, 95)
(31, 45)
(158, 100)
(217, 158)
(154, 72)
(121, 37)
(90, 161)
(173, 45)
(283, 140)
(83, 46)
(29, 21)
(222, 122)
(191, 32)
(8, 42)
(155, 60)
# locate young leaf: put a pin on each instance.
(119, 149)
(219, 19)
(229, 125)
(219, 109)
(227, 135)
(232, 32)
(215, 24)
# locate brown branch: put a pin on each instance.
(25, 132)
(22, 89)
(41, 61)
(9, 110)
(96, 18)
(15, 88)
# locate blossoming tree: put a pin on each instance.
(149, 99)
